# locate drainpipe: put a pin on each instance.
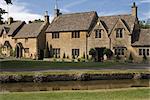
(86, 46)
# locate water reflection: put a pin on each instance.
(73, 85)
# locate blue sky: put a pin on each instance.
(34, 9)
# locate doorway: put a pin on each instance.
(100, 54)
(19, 50)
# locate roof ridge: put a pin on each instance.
(78, 13)
(116, 15)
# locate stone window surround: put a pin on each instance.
(56, 52)
(119, 50)
(98, 33)
(75, 34)
(119, 32)
(143, 51)
(75, 52)
(55, 35)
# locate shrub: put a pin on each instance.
(117, 58)
(84, 55)
(108, 53)
(144, 58)
(67, 57)
(73, 56)
(130, 58)
(64, 55)
(93, 53)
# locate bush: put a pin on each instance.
(117, 58)
(130, 58)
(108, 53)
(64, 55)
(93, 53)
(144, 58)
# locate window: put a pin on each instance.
(56, 52)
(26, 50)
(119, 33)
(144, 52)
(148, 52)
(55, 35)
(26, 40)
(119, 51)
(98, 33)
(76, 34)
(75, 52)
(140, 51)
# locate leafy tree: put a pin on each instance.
(8, 1)
(144, 24)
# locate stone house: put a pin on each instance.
(28, 41)
(75, 34)
(7, 32)
(67, 34)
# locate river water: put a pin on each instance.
(72, 85)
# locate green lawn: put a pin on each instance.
(47, 64)
(116, 94)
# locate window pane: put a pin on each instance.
(140, 51)
(143, 51)
(122, 51)
(148, 52)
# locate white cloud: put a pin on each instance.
(145, 15)
(144, 1)
(19, 11)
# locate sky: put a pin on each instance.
(27, 10)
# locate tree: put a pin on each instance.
(2, 11)
(8, 1)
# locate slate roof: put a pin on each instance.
(12, 28)
(110, 21)
(144, 38)
(30, 30)
(72, 22)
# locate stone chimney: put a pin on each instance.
(10, 20)
(46, 17)
(134, 10)
(56, 12)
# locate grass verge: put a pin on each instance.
(113, 94)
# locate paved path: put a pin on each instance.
(119, 67)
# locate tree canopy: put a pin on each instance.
(8, 1)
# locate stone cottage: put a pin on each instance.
(7, 32)
(24, 40)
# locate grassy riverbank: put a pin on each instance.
(112, 94)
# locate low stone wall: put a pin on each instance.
(71, 77)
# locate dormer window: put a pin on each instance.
(55, 35)
(98, 33)
(76, 34)
(119, 33)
